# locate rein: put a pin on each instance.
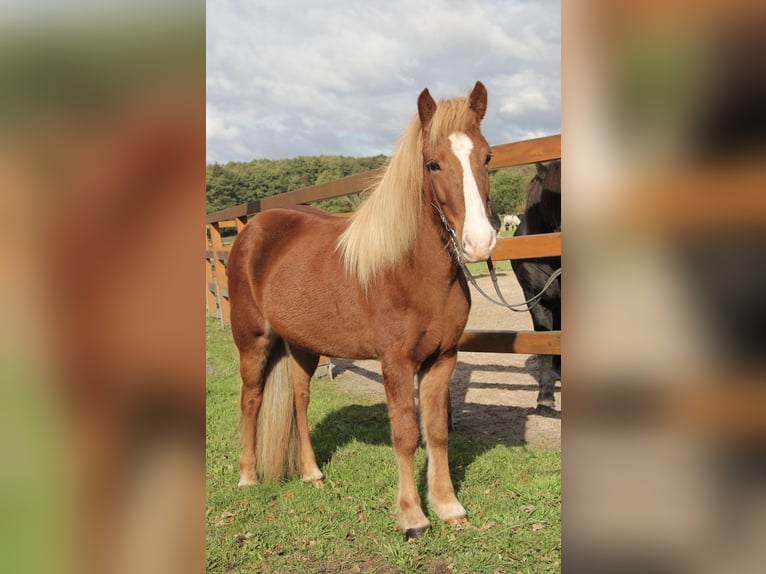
(522, 307)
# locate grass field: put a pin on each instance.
(512, 495)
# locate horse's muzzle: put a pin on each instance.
(479, 246)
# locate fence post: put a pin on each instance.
(220, 256)
(211, 302)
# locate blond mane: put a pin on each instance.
(384, 228)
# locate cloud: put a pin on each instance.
(304, 78)
(523, 92)
(222, 135)
(216, 128)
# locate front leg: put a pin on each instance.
(398, 381)
(434, 406)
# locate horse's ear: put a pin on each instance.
(477, 101)
(542, 169)
(426, 107)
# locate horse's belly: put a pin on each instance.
(319, 312)
(324, 334)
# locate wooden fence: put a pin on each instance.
(505, 155)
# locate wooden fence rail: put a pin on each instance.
(504, 155)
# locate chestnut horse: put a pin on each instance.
(384, 284)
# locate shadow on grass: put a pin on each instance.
(367, 424)
(370, 425)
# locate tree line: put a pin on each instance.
(234, 183)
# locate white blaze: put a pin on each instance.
(478, 235)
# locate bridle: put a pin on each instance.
(522, 307)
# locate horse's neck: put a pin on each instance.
(544, 214)
(433, 250)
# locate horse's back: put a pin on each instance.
(270, 233)
(281, 241)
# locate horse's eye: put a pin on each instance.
(487, 160)
(433, 165)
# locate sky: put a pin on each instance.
(292, 77)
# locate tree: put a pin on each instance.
(234, 183)
(508, 188)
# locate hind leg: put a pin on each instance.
(546, 402)
(304, 365)
(252, 361)
(545, 319)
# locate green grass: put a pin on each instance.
(512, 495)
(504, 265)
(480, 268)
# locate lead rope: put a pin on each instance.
(523, 307)
(527, 305)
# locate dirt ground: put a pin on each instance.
(493, 395)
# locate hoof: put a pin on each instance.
(546, 411)
(244, 482)
(315, 476)
(460, 520)
(411, 533)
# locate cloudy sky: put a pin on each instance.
(295, 77)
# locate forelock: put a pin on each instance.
(451, 116)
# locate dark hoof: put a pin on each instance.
(546, 411)
(411, 533)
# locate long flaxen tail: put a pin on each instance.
(276, 437)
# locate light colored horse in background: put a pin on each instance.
(511, 221)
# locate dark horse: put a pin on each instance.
(543, 215)
(383, 285)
